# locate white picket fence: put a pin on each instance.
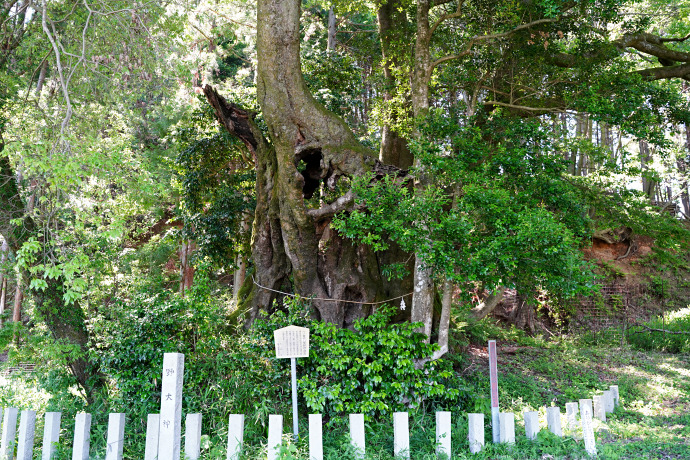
(163, 435)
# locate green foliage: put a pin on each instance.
(672, 333)
(495, 208)
(370, 369)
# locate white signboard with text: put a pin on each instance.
(292, 342)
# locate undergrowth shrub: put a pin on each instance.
(370, 369)
(672, 333)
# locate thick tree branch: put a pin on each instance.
(664, 73)
(341, 204)
(488, 305)
(236, 120)
(652, 45)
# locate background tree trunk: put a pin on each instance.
(392, 27)
(3, 278)
(523, 315)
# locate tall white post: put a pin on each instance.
(443, 432)
(82, 437)
(51, 434)
(401, 435)
(235, 436)
(27, 426)
(116, 437)
(275, 436)
(476, 432)
(170, 429)
(531, 424)
(587, 429)
(9, 433)
(153, 423)
(553, 420)
(192, 437)
(493, 380)
(315, 437)
(357, 437)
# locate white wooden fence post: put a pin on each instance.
(116, 437)
(27, 427)
(443, 432)
(599, 407)
(192, 437)
(507, 427)
(170, 428)
(553, 420)
(616, 395)
(315, 437)
(51, 434)
(357, 436)
(82, 434)
(476, 432)
(275, 436)
(531, 424)
(571, 410)
(401, 435)
(235, 436)
(9, 433)
(609, 403)
(153, 422)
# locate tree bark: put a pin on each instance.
(3, 299)
(330, 44)
(186, 268)
(648, 184)
(3, 278)
(523, 315)
(444, 321)
(18, 298)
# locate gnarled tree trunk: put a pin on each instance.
(293, 245)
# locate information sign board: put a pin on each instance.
(292, 342)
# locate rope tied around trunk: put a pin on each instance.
(330, 300)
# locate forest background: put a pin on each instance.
(170, 170)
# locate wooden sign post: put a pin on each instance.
(292, 342)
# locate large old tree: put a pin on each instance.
(526, 59)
